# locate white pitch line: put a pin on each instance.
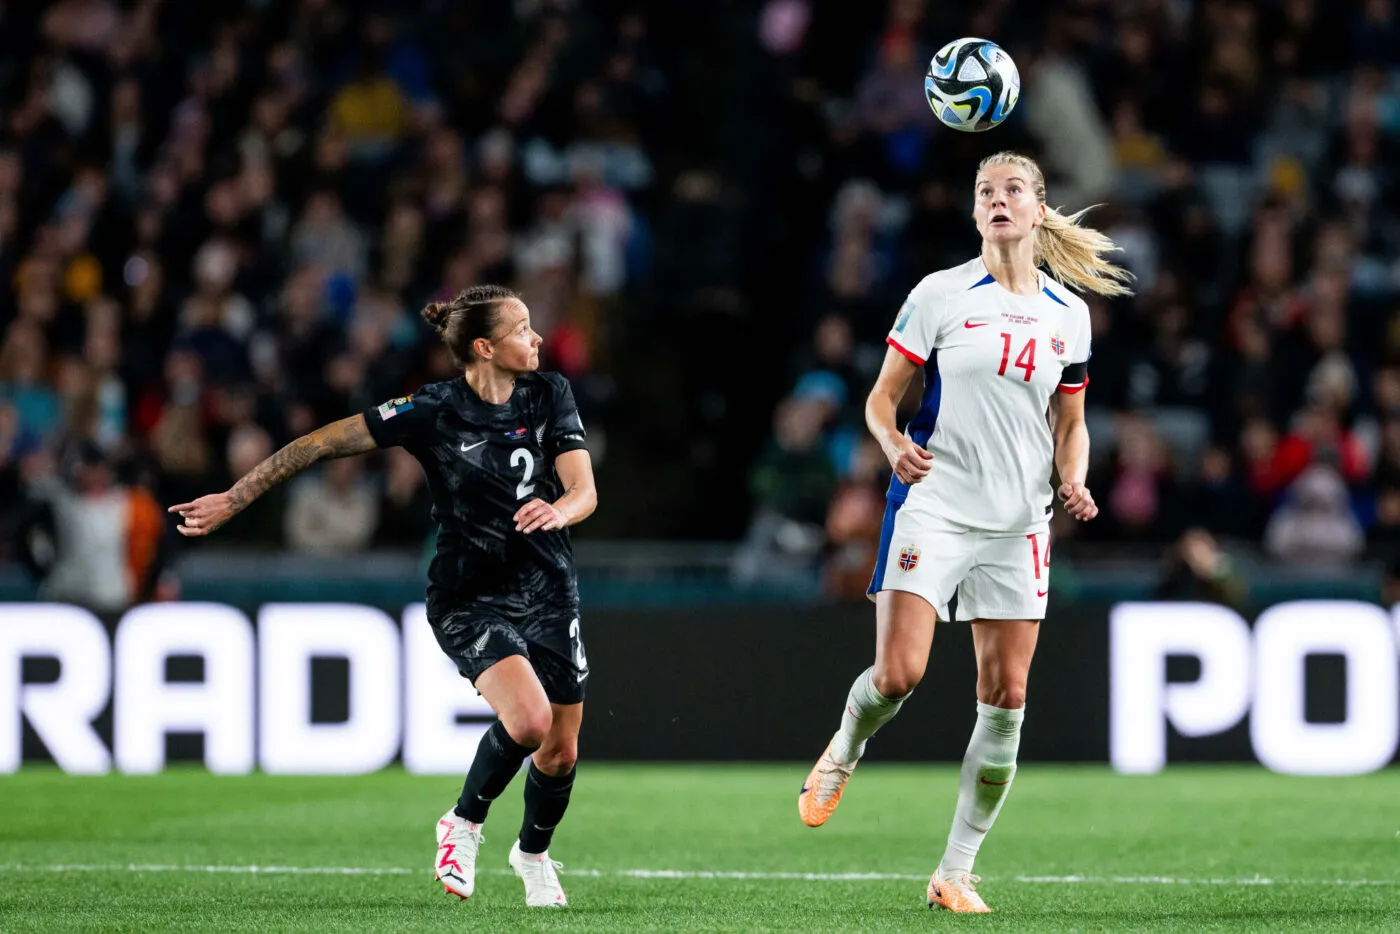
(234, 870)
(774, 876)
(680, 874)
(1175, 880)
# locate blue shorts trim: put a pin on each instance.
(877, 580)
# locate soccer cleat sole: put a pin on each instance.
(447, 889)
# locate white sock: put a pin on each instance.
(866, 711)
(987, 770)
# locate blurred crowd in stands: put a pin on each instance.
(1245, 156)
(218, 222)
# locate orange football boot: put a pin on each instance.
(957, 893)
(821, 792)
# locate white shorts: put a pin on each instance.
(996, 575)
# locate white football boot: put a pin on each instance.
(537, 871)
(458, 842)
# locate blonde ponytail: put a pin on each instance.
(1071, 253)
(1075, 255)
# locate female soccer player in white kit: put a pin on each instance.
(969, 505)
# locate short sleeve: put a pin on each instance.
(1083, 346)
(405, 421)
(1075, 375)
(564, 430)
(915, 331)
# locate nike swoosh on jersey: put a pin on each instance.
(969, 324)
(467, 447)
(1041, 593)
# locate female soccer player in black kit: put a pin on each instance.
(503, 452)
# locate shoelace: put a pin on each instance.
(965, 880)
(831, 778)
(546, 870)
(463, 837)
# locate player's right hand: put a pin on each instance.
(911, 462)
(205, 514)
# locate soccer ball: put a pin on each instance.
(972, 84)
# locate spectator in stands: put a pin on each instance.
(332, 512)
(853, 524)
(1142, 493)
(404, 509)
(23, 383)
(1198, 570)
(791, 486)
(108, 535)
(1315, 525)
(1071, 131)
(249, 444)
(1222, 501)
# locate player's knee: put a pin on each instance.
(557, 760)
(899, 678)
(1006, 696)
(530, 727)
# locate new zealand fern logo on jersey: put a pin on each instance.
(1057, 343)
(908, 558)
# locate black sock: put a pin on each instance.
(498, 758)
(546, 798)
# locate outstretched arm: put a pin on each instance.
(338, 439)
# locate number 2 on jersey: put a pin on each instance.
(522, 456)
(1025, 359)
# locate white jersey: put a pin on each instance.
(991, 360)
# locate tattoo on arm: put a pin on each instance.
(344, 438)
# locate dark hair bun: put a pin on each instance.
(437, 314)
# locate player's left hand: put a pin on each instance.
(1079, 502)
(538, 515)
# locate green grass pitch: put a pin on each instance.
(704, 848)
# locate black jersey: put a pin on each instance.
(483, 462)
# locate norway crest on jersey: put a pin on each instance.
(908, 558)
(1057, 343)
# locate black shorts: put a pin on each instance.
(476, 637)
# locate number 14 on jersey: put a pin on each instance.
(1025, 359)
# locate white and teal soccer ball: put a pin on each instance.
(972, 84)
